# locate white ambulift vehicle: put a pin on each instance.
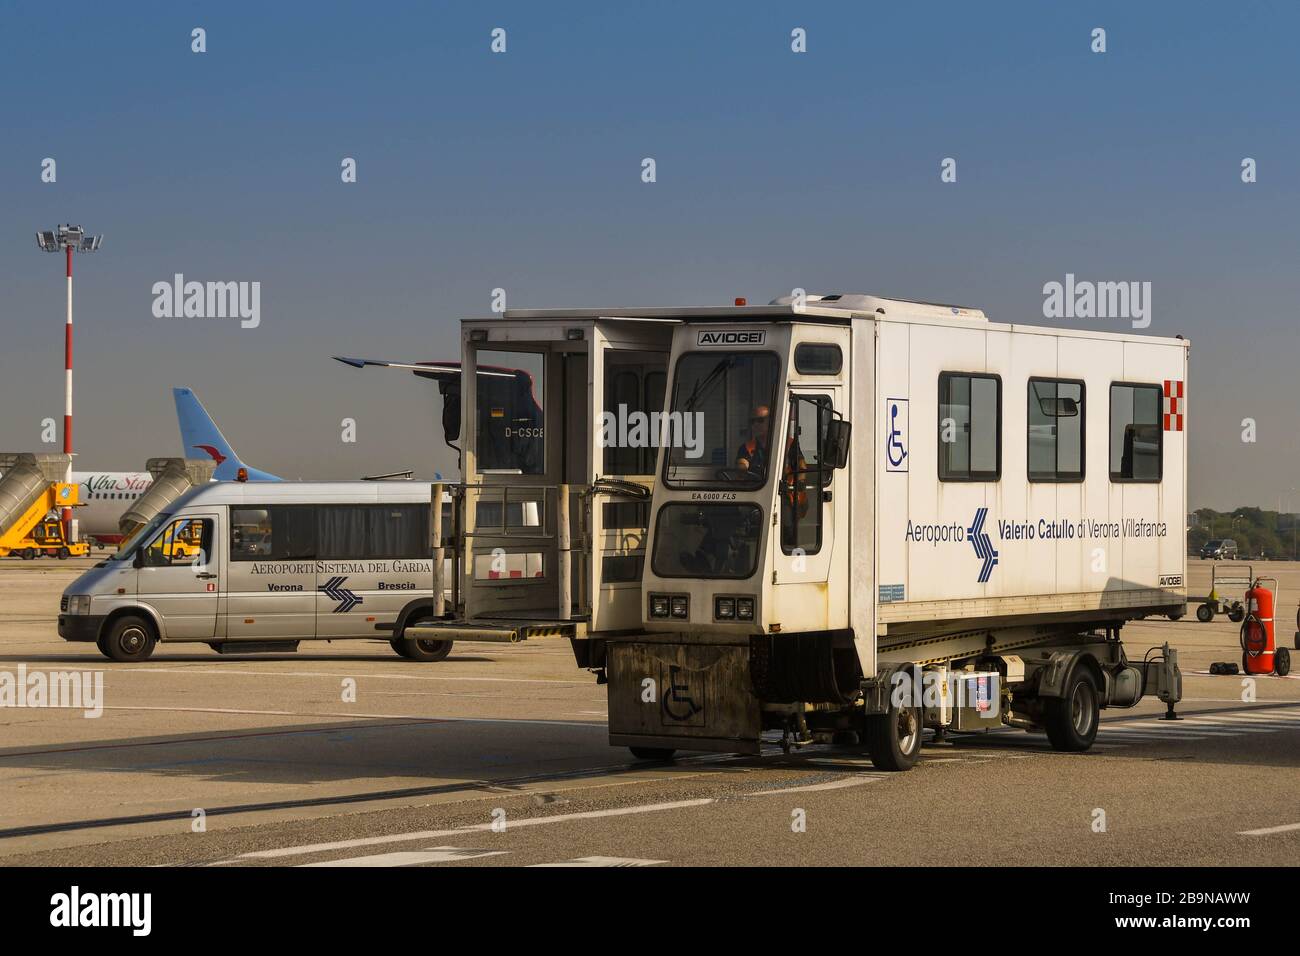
(870, 517)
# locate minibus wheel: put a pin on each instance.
(894, 737)
(129, 639)
(427, 650)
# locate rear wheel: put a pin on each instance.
(129, 639)
(1205, 614)
(1236, 613)
(652, 753)
(1071, 720)
(64, 554)
(1281, 662)
(422, 649)
(894, 738)
(398, 645)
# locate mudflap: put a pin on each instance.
(682, 696)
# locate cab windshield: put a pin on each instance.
(143, 534)
(719, 428)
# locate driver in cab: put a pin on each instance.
(752, 455)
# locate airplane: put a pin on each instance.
(105, 495)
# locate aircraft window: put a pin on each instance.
(970, 427)
(1055, 424)
(1136, 433)
(508, 396)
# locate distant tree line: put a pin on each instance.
(1258, 533)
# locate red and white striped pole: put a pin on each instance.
(67, 399)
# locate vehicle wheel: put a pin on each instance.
(1236, 614)
(1071, 720)
(1281, 662)
(28, 554)
(1205, 614)
(129, 639)
(64, 554)
(423, 649)
(894, 738)
(398, 645)
(652, 753)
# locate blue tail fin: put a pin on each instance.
(201, 438)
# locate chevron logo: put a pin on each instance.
(983, 545)
(335, 591)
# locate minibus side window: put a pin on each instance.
(970, 427)
(1136, 432)
(351, 532)
(272, 532)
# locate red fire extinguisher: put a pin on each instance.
(1257, 646)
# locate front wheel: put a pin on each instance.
(130, 639)
(1237, 613)
(1281, 662)
(1071, 719)
(1205, 614)
(894, 738)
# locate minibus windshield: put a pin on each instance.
(132, 544)
(719, 426)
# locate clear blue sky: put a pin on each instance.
(522, 170)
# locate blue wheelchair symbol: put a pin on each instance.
(894, 450)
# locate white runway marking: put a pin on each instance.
(1268, 831)
(426, 718)
(853, 781)
(335, 676)
(473, 828)
(435, 854)
(603, 861)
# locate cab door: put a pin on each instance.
(633, 391)
(803, 531)
(182, 581)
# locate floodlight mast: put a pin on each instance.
(68, 238)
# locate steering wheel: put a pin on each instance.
(732, 474)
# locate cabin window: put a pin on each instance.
(510, 429)
(1055, 430)
(184, 541)
(970, 427)
(719, 422)
(707, 540)
(817, 358)
(1136, 433)
(802, 475)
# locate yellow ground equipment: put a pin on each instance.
(29, 491)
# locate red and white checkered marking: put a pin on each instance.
(1173, 405)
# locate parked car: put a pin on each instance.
(1220, 549)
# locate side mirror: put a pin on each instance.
(451, 414)
(138, 560)
(836, 450)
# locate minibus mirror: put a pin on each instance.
(836, 450)
(138, 560)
